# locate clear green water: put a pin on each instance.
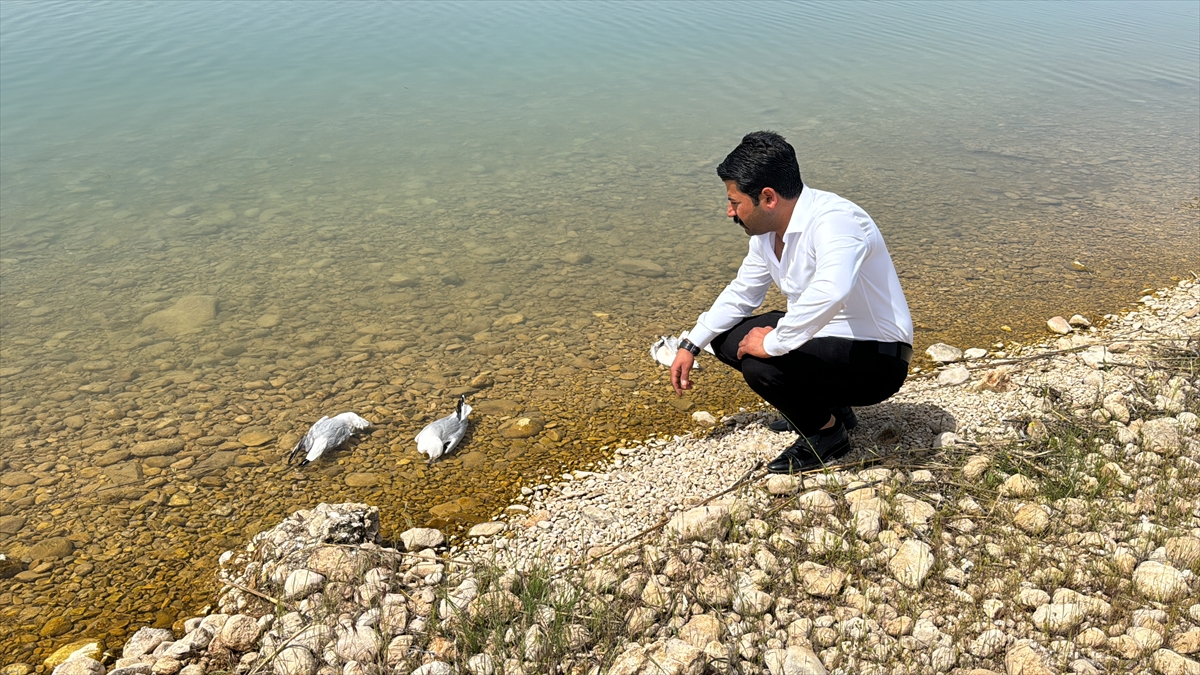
(367, 189)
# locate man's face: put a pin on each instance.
(744, 211)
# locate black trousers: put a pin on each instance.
(825, 373)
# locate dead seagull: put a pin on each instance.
(441, 435)
(665, 349)
(327, 432)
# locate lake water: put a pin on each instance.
(381, 206)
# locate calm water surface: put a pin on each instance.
(384, 205)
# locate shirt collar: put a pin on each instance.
(799, 218)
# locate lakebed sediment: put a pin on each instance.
(1108, 623)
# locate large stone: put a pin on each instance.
(1022, 659)
(1183, 551)
(1159, 582)
(435, 668)
(50, 549)
(912, 563)
(187, 315)
(80, 665)
(158, 448)
(701, 630)
(296, 660)
(640, 267)
(419, 538)
(751, 601)
(1018, 485)
(360, 479)
(240, 633)
(87, 648)
(490, 529)
(17, 478)
(715, 590)
(55, 626)
(702, 523)
(676, 657)
(358, 643)
(816, 501)
(145, 640)
(953, 375)
(1059, 618)
(944, 353)
(823, 582)
(780, 484)
(522, 427)
(1161, 435)
(1168, 662)
(1032, 518)
(1059, 325)
(302, 583)
(801, 660)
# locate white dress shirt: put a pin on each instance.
(835, 271)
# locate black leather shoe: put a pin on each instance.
(812, 452)
(845, 415)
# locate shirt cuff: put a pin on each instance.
(771, 345)
(700, 335)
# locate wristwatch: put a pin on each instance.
(687, 344)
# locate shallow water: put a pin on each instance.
(385, 202)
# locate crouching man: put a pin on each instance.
(846, 338)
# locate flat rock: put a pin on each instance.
(1161, 435)
(1022, 659)
(486, 529)
(1168, 662)
(80, 665)
(944, 353)
(576, 258)
(11, 524)
(974, 353)
(497, 406)
(16, 478)
(51, 549)
(419, 538)
(640, 267)
(187, 315)
(359, 480)
(253, 437)
(702, 523)
(954, 375)
(165, 446)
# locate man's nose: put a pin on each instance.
(729, 211)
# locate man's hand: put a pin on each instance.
(681, 368)
(752, 344)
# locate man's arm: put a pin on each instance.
(740, 298)
(840, 246)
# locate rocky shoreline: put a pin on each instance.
(1020, 513)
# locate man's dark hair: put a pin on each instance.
(763, 159)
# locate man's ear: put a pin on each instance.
(768, 197)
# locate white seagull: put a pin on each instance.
(665, 349)
(441, 435)
(327, 432)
